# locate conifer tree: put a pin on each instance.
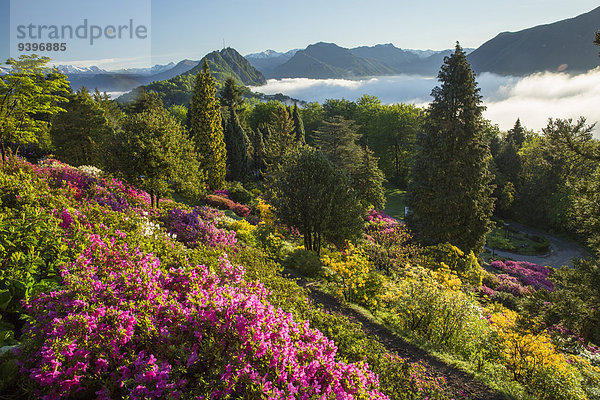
(450, 193)
(279, 138)
(517, 134)
(368, 181)
(337, 138)
(258, 153)
(231, 94)
(236, 142)
(206, 129)
(298, 126)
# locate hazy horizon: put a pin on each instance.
(533, 98)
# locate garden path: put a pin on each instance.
(459, 381)
(562, 251)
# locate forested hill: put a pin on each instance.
(564, 45)
(223, 64)
(229, 63)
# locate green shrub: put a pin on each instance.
(238, 193)
(490, 280)
(306, 262)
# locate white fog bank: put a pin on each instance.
(533, 98)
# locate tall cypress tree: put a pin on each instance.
(258, 155)
(450, 193)
(298, 125)
(206, 129)
(236, 142)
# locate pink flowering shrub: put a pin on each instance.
(222, 202)
(510, 284)
(125, 326)
(107, 191)
(527, 274)
(197, 226)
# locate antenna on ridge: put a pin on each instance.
(223, 43)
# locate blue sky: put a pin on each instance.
(191, 28)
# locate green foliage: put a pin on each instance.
(312, 114)
(236, 144)
(306, 262)
(298, 126)
(279, 137)
(573, 305)
(30, 94)
(238, 193)
(231, 94)
(315, 198)
(144, 102)
(153, 151)
(206, 129)
(368, 182)
(337, 139)
(179, 113)
(430, 305)
(32, 250)
(450, 194)
(390, 131)
(79, 134)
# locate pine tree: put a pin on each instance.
(298, 126)
(236, 142)
(279, 138)
(206, 129)
(450, 193)
(144, 102)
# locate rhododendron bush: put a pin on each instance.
(126, 326)
(122, 322)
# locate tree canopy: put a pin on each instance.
(450, 193)
(30, 94)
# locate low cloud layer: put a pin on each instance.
(534, 98)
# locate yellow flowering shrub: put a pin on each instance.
(431, 305)
(266, 212)
(353, 276)
(464, 265)
(533, 360)
(244, 231)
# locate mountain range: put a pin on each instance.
(123, 80)
(561, 46)
(222, 64)
(565, 45)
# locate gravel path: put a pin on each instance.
(456, 379)
(562, 251)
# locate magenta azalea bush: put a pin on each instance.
(526, 273)
(198, 226)
(125, 326)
